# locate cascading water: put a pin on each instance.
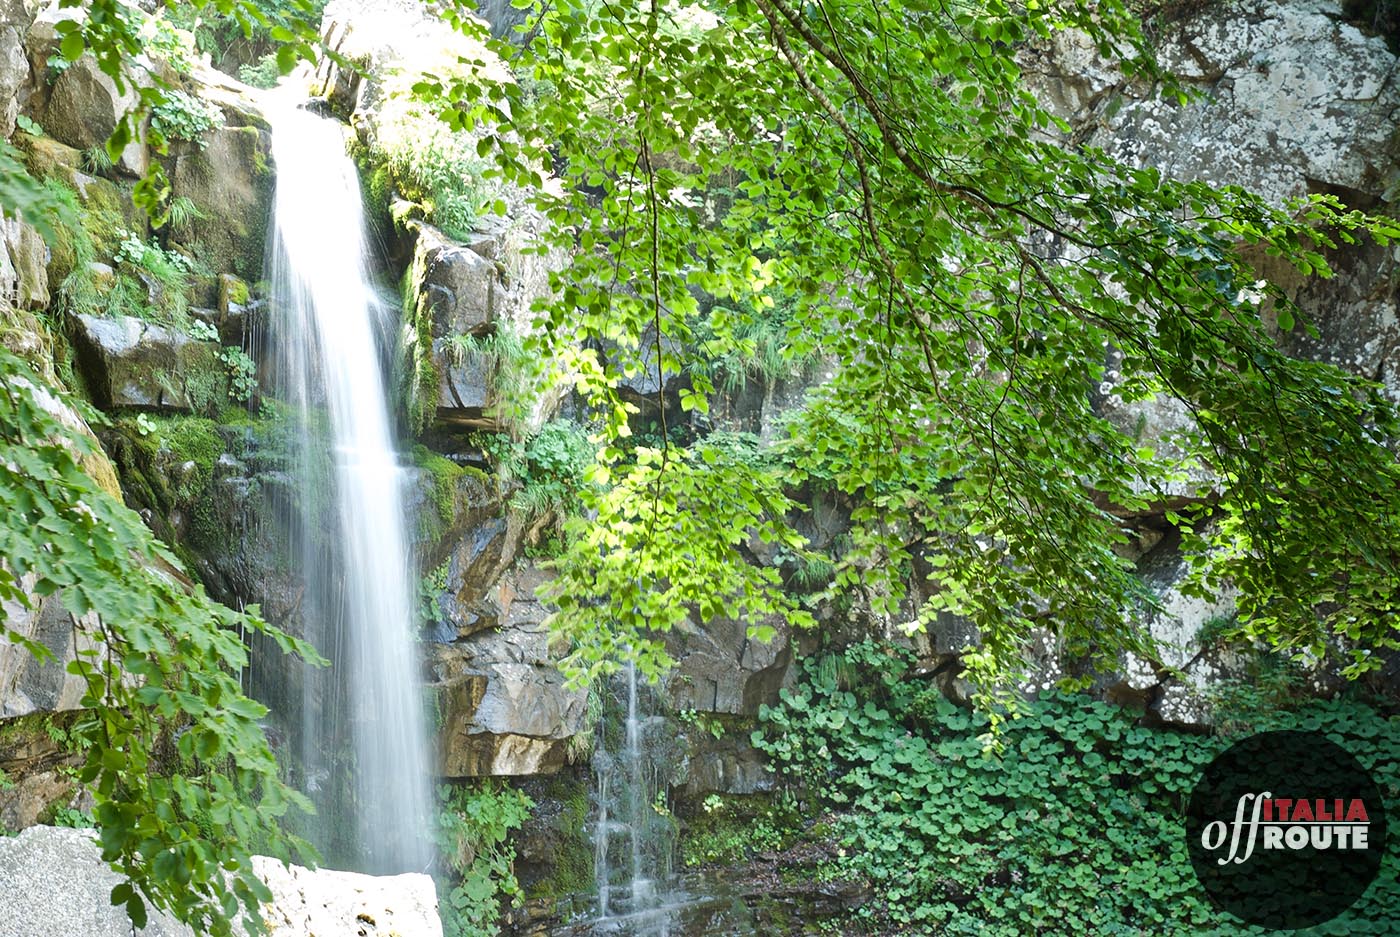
(633, 834)
(363, 739)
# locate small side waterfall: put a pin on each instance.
(633, 834)
(363, 740)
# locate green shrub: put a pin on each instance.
(264, 73)
(474, 824)
(550, 467)
(418, 157)
(1074, 827)
(164, 40)
(185, 116)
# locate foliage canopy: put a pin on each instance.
(972, 273)
(887, 171)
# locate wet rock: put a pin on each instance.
(728, 764)
(129, 362)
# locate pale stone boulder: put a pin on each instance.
(53, 883)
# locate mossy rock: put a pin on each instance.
(46, 158)
(231, 183)
(554, 854)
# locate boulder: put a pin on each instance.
(53, 883)
(84, 107)
(308, 903)
(230, 181)
(129, 362)
(455, 296)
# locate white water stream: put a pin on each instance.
(363, 733)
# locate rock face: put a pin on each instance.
(230, 179)
(1294, 98)
(26, 684)
(471, 302)
(129, 362)
(14, 65)
(503, 705)
(24, 279)
(719, 669)
(53, 883)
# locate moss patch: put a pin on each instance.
(443, 495)
(571, 872)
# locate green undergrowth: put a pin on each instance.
(416, 157)
(144, 279)
(550, 466)
(1073, 825)
(733, 829)
(475, 820)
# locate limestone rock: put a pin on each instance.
(53, 883)
(1294, 100)
(132, 363)
(307, 903)
(231, 183)
(84, 107)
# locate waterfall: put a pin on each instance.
(633, 833)
(362, 737)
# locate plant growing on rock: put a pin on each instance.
(184, 116)
(474, 825)
(162, 658)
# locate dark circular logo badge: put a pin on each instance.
(1286, 830)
